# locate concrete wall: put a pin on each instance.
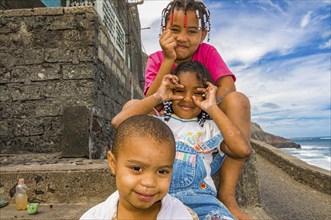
(61, 82)
(310, 175)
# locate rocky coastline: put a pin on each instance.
(279, 142)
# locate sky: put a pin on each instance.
(279, 52)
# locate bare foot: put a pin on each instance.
(239, 214)
(232, 205)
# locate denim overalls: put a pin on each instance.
(188, 183)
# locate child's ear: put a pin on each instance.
(203, 35)
(111, 162)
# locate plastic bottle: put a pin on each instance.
(21, 198)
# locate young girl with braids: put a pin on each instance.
(190, 100)
(185, 24)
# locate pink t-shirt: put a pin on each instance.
(206, 54)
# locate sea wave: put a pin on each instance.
(310, 138)
(314, 150)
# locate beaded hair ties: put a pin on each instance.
(201, 11)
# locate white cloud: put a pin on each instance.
(248, 37)
(326, 45)
(150, 17)
(306, 19)
(300, 87)
(258, 30)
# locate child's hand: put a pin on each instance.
(168, 44)
(168, 84)
(210, 97)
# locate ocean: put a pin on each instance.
(314, 150)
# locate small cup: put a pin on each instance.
(32, 208)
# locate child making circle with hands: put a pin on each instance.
(199, 153)
(185, 25)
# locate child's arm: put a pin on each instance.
(231, 133)
(168, 45)
(146, 105)
(136, 107)
(225, 85)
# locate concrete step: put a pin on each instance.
(52, 179)
(74, 211)
(65, 187)
(46, 211)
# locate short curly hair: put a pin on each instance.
(142, 126)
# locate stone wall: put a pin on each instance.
(248, 188)
(61, 82)
(301, 171)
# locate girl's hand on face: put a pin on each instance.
(168, 84)
(168, 44)
(210, 97)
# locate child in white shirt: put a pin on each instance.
(141, 159)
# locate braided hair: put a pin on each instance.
(202, 74)
(198, 6)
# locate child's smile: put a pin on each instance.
(188, 37)
(186, 108)
(144, 167)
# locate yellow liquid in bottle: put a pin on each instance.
(21, 201)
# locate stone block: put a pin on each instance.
(48, 11)
(7, 60)
(78, 38)
(29, 56)
(75, 131)
(86, 54)
(35, 144)
(65, 23)
(4, 76)
(69, 89)
(48, 109)
(17, 12)
(17, 110)
(82, 71)
(34, 73)
(19, 74)
(63, 55)
(4, 129)
(26, 92)
(45, 72)
(29, 127)
(79, 10)
(4, 94)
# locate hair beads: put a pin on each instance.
(185, 21)
(203, 117)
(198, 6)
(167, 110)
(171, 18)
